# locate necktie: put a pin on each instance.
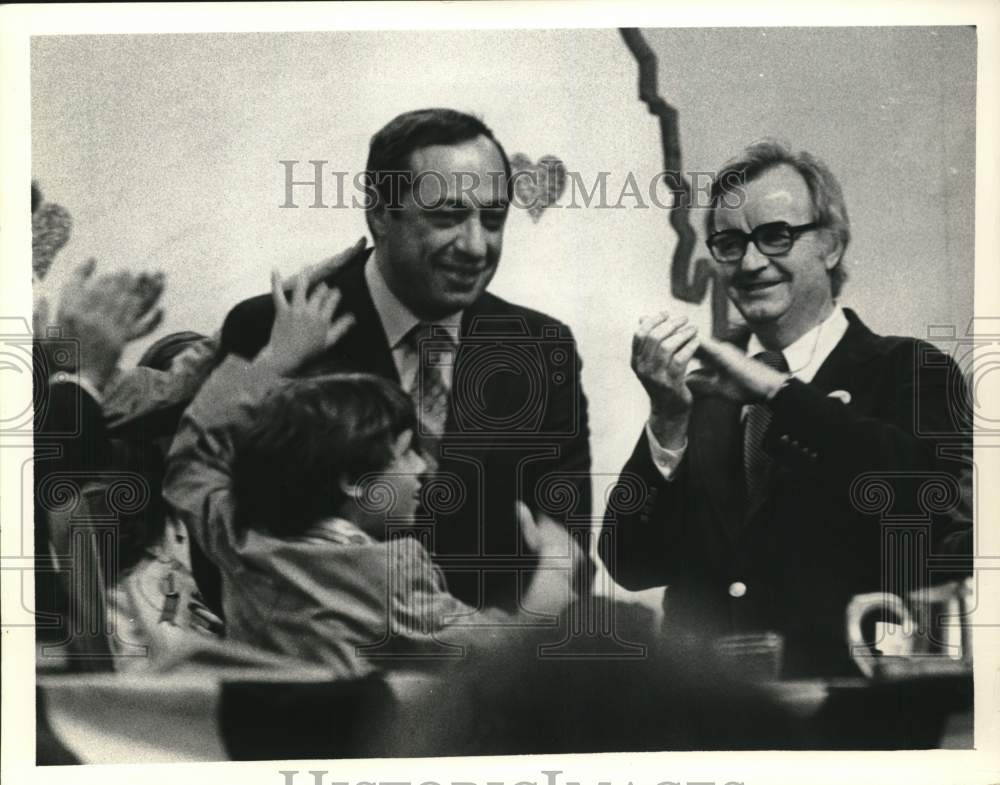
(428, 390)
(756, 462)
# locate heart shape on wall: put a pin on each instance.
(50, 229)
(537, 185)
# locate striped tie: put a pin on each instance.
(429, 391)
(756, 462)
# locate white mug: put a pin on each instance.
(932, 633)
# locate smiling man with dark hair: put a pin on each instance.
(501, 414)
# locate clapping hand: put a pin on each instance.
(105, 312)
(662, 347)
(728, 372)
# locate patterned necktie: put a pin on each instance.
(756, 462)
(428, 390)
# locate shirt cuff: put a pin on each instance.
(665, 460)
(74, 378)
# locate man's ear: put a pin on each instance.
(834, 253)
(377, 218)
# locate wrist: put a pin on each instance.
(93, 381)
(97, 375)
(271, 361)
(670, 430)
(92, 387)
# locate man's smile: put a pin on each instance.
(463, 274)
(463, 268)
(758, 287)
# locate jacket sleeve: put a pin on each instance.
(70, 442)
(635, 541)
(198, 484)
(919, 432)
(247, 327)
(69, 426)
(921, 407)
(429, 620)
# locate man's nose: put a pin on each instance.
(472, 238)
(753, 260)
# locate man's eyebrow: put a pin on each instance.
(463, 204)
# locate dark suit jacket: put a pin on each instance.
(517, 428)
(821, 536)
(71, 446)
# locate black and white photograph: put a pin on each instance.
(400, 391)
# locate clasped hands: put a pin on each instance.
(662, 348)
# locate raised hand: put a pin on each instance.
(662, 347)
(104, 313)
(559, 559)
(730, 373)
(302, 325)
(543, 535)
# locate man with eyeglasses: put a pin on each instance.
(749, 467)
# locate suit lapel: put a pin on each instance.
(365, 347)
(840, 370)
(848, 357)
(498, 386)
(716, 452)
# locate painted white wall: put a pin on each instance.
(165, 148)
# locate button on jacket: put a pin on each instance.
(816, 540)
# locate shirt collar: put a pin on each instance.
(340, 531)
(397, 320)
(809, 351)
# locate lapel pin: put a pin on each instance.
(841, 395)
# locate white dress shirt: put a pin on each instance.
(804, 358)
(397, 321)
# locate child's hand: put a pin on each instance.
(559, 560)
(543, 535)
(302, 326)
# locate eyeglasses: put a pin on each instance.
(771, 239)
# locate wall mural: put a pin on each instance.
(690, 278)
(51, 225)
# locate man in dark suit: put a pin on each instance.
(750, 480)
(98, 315)
(496, 386)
